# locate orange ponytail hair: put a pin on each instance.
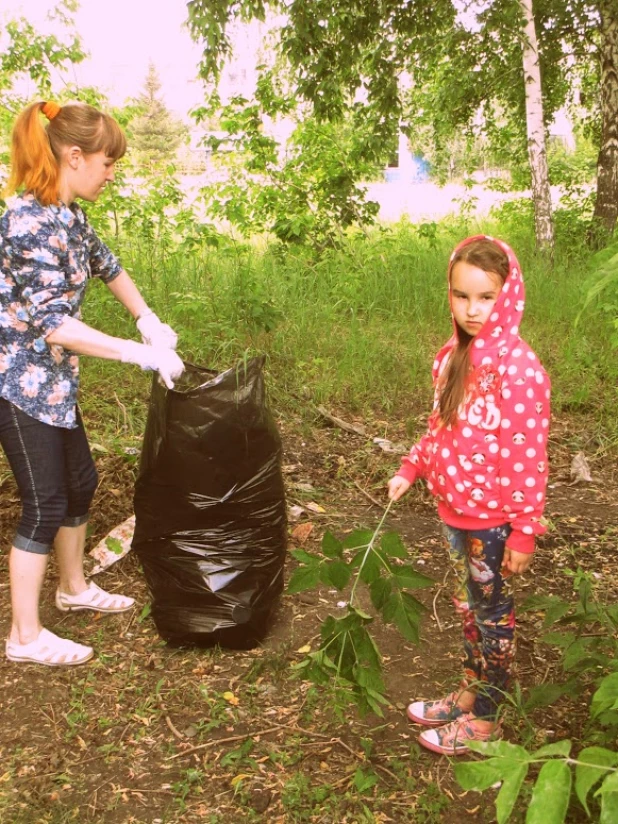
(36, 149)
(33, 165)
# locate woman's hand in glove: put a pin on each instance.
(156, 358)
(156, 333)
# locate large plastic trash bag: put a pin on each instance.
(211, 524)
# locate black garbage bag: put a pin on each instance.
(210, 525)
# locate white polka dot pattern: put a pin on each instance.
(501, 431)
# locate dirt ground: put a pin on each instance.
(146, 734)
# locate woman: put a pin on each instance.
(48, 252)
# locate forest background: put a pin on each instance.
(251, 232)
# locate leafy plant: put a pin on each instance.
(348, 655)
(586, 655)
(605, 286)
(509, 764)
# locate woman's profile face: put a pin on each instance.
(90, 174)
(474, 293)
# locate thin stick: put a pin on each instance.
(139, 792)
(387, 771)
(129, 624)
(168, 720)
(347, 427)
(345, 746)
(228, 740)
(439, 590)
(367, 495)
(435, 613)
(123, 408)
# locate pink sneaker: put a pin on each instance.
(435, 713)
(451, 739)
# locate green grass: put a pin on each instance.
(356, 327)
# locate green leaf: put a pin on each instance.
(370, 568)
(478, 775)
(304, 578)
(551, 794)
(392, 545)
(374, 701)
(538, 603)
(378, 696)
(579, 654)
(609, 799)
(512, 780)
(403, 610)
(558, 748)
(547, 694)
(501, 749)
(146, 610)
(559, 639)
(609, 808)
(364, 781)
(336, 573)
(379, 591)
(413, 605)
(357, 539)
(407, 577)
(305, 557)
(368, 678)
(606, 696)
(553, 607)
(366, 649)
(609, 785)
(331, 547)
(361, 614)
(596, 762)
(556, 612)
(612, 612)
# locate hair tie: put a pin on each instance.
(50, 109)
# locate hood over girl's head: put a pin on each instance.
(484, 252)
(498, 333)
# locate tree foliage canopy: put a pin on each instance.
(30, 59)
(441, 68)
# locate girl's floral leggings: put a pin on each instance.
(484, 598)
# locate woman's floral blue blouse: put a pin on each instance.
(47, 256)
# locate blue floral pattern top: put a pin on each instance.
(47, 256)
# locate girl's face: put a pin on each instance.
(473, 295)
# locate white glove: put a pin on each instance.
(156, 333)
(158, 359)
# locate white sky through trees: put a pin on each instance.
(123, 37)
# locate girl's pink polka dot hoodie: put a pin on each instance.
(490, 468)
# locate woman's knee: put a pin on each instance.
(82, 492)
(41, 518)
(90, 483)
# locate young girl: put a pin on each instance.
(48, 253)
(484, 458)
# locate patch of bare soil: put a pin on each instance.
(146, 733)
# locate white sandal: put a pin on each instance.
(50, 650)
(93, 598)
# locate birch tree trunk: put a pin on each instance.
(535, 127)
(606, 208)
